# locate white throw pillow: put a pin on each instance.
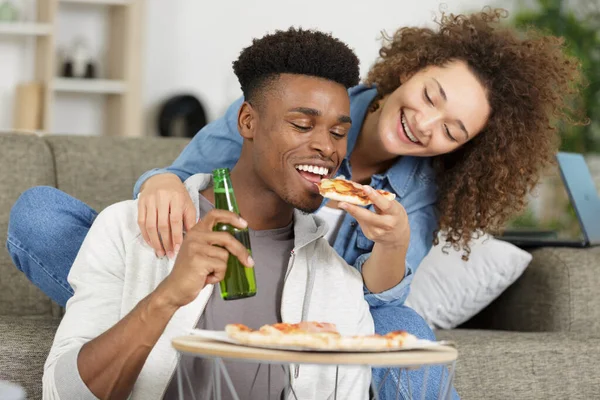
(447, 291)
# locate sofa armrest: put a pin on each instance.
(24, 347)
(559, 291)
(533, 365)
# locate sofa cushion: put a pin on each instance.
(557, 292)
(24, 347)
(511, 365)
(103, 170)
(447, 291)
(25, 161)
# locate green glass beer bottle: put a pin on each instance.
(239, 281)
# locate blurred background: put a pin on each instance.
(578, 22)
(159, 49)
(93, 67)
(157, 67)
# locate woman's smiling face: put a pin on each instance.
(434, 112)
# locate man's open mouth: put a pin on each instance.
(313, 173)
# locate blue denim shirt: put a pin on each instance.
(219, 144)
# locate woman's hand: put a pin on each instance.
(164, 210)
(387, 226)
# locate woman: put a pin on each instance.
(458, 122)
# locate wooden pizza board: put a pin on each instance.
(202, 347)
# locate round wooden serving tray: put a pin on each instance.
(202, 347)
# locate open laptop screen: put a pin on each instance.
(549, 213)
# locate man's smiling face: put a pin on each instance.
(300, 136)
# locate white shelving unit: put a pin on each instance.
(24, 28)
(122, 81)
(97, 86)
(99, 2)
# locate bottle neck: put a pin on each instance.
(261, 207)
(224, 195)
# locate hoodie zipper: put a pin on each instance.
(289, 268)
(308, 292)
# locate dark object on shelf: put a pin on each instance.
(78, 62)
(183, 111)
(90, 71)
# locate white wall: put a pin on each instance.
(190, 45)
(195, 53)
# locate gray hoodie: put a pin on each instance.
(115, 269)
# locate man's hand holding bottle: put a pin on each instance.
(203, 258)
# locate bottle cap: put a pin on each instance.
(220, 173)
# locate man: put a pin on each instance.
(114, 340)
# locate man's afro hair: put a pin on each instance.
(295, 51)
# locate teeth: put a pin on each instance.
(409, 133)
(313, 169)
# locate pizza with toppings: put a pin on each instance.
(341, 189)
(317, 336)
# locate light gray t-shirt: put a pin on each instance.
(271, 252)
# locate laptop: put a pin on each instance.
(565, 211)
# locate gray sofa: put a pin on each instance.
(538, 340)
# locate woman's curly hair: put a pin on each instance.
(531, 84)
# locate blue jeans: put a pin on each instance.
(46, 230)
(389, 319)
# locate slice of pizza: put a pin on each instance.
(239, 332)
(341, 189)
(368, 342)
(246, 335)
(309, 334)
(317, 335)
(314, 335)
(399, 339)
(304, 326)
(237, 329)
